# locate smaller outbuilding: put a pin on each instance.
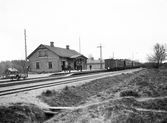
(95, 64)
(10, 70)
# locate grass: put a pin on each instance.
(20, 113)
(129, 88)
(75, 95)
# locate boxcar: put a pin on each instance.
(128, 64)
(120, 64)
(110, 64)
(136, 64)
(114, 64)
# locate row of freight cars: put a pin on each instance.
(120, 64)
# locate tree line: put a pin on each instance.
(20, 65)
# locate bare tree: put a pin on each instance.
(159, 55)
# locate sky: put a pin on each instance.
(125, 28)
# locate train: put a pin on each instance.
(120, 64)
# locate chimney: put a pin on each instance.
(52, 44)
(67, 47)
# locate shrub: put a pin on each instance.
(129, 93)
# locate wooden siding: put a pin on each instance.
(43, 62)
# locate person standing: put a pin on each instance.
(69, 67)
(90, 66)
(81, 67)
(62, 67)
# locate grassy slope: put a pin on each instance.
(106, 99)
(21, 113)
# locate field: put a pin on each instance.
(140, 97)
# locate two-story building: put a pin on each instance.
(48, 58)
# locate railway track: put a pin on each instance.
(29, 81)
(50, 83)
(5, 83)
(52, 76)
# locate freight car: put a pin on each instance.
(120, 64)
(114, 64)
(136, 64)
(128, 64)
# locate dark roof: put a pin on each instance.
(62, 52)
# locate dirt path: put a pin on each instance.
(150, 110)
(140, 99)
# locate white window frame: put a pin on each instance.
(39, 51)
(36, 65)
(51, 65)
(45, 53)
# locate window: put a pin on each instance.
(45, 53)
(40, 53)
(37, 65)
(50, 64)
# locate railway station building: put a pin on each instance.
(48, 58)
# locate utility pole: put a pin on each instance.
(25, 53)
(100, 55)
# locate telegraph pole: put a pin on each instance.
(100, 55)
(25, 52)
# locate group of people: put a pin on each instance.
(68, 67)
(77, 67)
(64, 68)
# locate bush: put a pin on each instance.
(47, 93)
(20, 113)
(129, 93)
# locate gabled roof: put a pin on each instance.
(77, 56)
(62, 52)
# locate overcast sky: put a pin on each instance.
(126, 28)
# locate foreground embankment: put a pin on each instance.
(139, 97)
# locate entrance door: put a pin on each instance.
(75, 65)
(63, 65)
